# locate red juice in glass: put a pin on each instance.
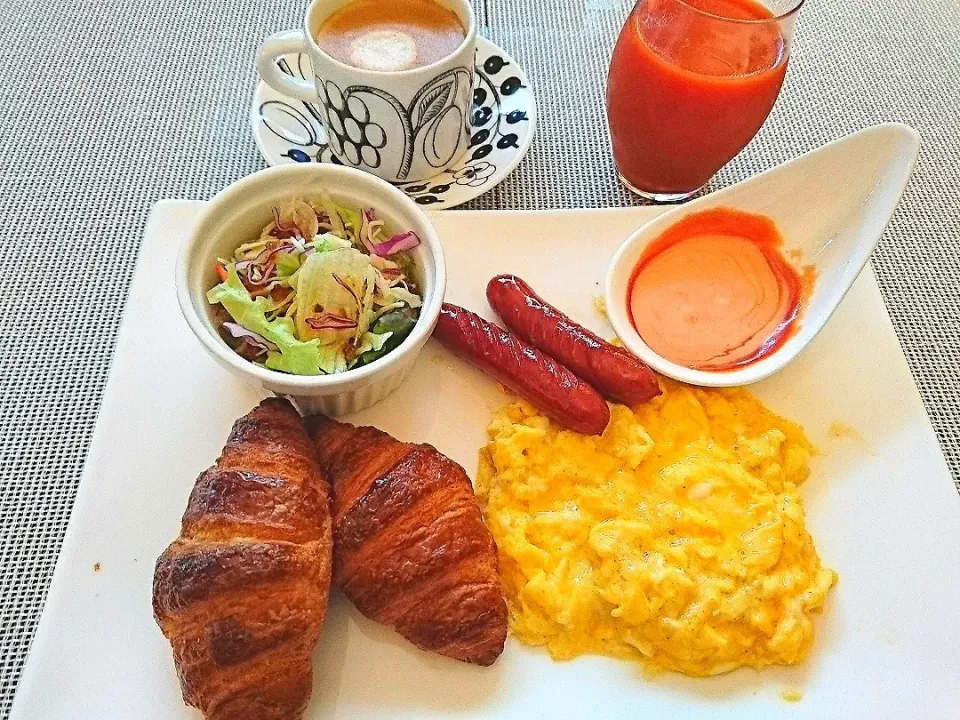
(690, 84)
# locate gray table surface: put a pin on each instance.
(107, 106)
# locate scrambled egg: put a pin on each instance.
(677, 538)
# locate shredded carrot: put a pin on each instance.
(221, 271)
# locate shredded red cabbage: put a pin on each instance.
(340, 281)
(283, 231)
(241, 333)
(267, 255)
(257, 275)
(398, 243)
(330, 321)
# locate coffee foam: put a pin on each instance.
(383, 51)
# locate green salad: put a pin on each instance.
(325, 288)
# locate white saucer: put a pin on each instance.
(504, 119)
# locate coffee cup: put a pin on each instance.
(402, 125)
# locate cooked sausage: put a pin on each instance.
(613, 371)
(524, 369)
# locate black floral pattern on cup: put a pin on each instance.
(432, 124)
(350, 131)
(490, 128)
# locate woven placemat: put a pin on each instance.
(108, 106)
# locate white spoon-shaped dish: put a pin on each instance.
(831, 204)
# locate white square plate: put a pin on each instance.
(882, 509)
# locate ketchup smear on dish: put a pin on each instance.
(715, 292)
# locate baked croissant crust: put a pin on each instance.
(242, 593)
(410, 548)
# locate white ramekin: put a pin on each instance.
(239, 213)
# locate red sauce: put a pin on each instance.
(688, 89)
(715, 292)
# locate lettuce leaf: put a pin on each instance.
(351, 218)
(328, 242)
(294, 356)
(332, 359)
(405, 296)
(322, 283)
(371, 342)
(287, 264)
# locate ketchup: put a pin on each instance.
(714, 291)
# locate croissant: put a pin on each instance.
(242, 593)
(410, 548)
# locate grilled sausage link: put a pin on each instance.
(614, 371)
(524, 369)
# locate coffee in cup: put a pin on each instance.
(390, 35)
